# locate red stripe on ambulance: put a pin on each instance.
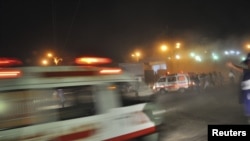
(88, 133)
(76, 136)
(133, 135)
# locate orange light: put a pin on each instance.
(111, 71)
(92, 60)
(10, 73)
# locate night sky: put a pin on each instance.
(115, 28)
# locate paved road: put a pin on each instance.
(189, 114)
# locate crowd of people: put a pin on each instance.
(212, 79)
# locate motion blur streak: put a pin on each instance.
(10, 74)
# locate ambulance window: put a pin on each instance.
(75, 102)
(128, 92)
(172, 79)
(181, 78)
(23, 107)
(28, 107)
(162, 79)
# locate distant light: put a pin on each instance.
(198, 58)
(178, 45)
(178, 57)
(248, 46)
(92, 60)
(192, 54)
(243, 58)
(214, 56)
(44, 62)
(232, 52)
(226, 53)
(164, 47)
(49, 55)
(237, 52)
(138, 54)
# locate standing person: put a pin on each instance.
(207, 82)
(245, 84)
(231, 76)
(197, 83)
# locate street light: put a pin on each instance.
(164, 48)
(172, 53)
(177, 57)
(248, 46)
(178, 45)
(44, 62)
(56, 60)
(49, 55)
(136, 55)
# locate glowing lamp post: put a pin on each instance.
(44, 62)
(56, 60)
(164, 48)
(178, 45)
(136, 55)
(248, 46)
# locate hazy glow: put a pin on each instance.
(232, 52)
(248, 46)
(178, 45)
(138, 54)
(44, 62)
(178, 56)
(163, 47)
(215, 56)
(192, 54)
(198, 58)
(49, 55)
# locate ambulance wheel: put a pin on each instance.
(162, 91)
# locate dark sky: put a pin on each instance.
(114, 28)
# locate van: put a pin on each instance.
(179, 82)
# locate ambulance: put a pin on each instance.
(178, 82)
(65, 103)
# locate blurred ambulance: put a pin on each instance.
(65, 103)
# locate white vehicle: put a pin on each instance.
(65, 103)
(172, 83)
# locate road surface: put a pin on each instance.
(189, 114)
